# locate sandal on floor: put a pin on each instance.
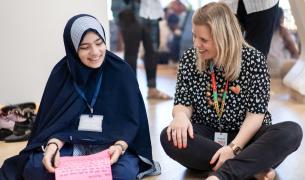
(159, 96)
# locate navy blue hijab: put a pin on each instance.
(119, 101)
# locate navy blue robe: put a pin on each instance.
(119, 101)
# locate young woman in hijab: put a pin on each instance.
(91, 102)
(221, 121)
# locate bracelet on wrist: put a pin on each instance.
(56, 151)
(49, 143)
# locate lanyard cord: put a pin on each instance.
(82, 94)
(219, 111)
(94, 98)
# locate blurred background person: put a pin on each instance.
(257, 19)
(175, 35)
(138, 22)
(283, 48)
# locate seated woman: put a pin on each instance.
(91, 103)
(220, 118)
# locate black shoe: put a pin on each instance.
(5, 133)
(23, 109)
(18, 138)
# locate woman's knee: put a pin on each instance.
(34, 169)
(163, 136)
(291, 133)
(127, 167)
(123, 172)
(167, 145)
(295, 131)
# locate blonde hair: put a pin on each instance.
(227, 37)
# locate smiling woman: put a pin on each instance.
(91, 103)
(204, 42)
(221, 121)
(92, 50)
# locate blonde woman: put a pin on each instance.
(220, 119)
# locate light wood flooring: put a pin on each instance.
(281, 107)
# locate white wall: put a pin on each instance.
(31, 42)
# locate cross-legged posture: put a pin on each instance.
(221, 123)
(91, 103)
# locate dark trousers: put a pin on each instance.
(258, 26)
(267, 149)
(143, 30)
(126, 168)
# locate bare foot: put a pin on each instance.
(212, 178)
(154, 93)
(266, 175)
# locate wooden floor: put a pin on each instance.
(281, 107)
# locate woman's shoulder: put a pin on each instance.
(252, 55)
(187, 64)
(115, 59)
(60, 66)
(117, 66)
(115, 62)
(249, 51)
(189, 51)
(189, 55)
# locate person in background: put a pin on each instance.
(175, 38)
(165, 34)
(257, 18)
(139, 21)
(221, 121)
(178, 8)
(185, 13)
(91, 103)
(283, 46)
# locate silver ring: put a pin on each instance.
(173, 130)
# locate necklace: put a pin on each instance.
(219, 111)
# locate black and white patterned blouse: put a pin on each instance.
(193, 88)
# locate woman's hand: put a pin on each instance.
(52, 154)
(116, 150)
(178, 130)
(221, 156)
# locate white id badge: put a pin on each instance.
(221, 138)
(90, 123)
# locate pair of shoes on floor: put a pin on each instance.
(22, 109)
(158, 95)
(22, 129)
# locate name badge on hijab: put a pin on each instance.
(90, 123)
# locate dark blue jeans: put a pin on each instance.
(267, 149)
